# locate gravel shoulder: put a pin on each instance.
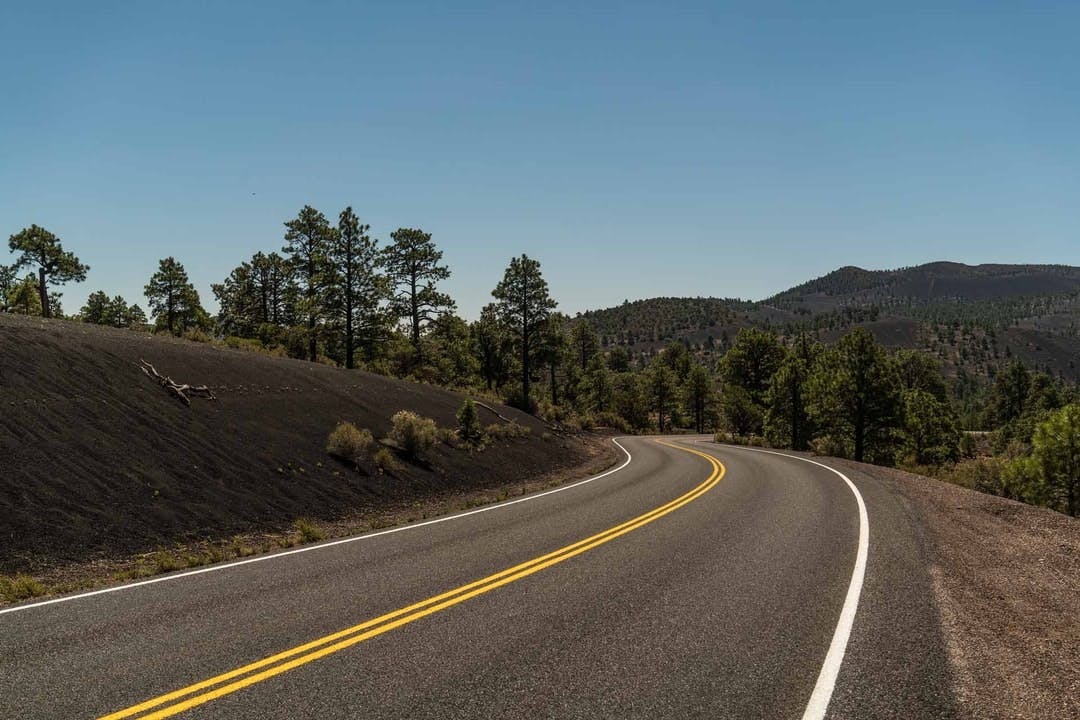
(1007, 583)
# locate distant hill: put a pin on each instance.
(928, 284)
(973, 317)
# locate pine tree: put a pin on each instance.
(524, 305)
(307, 238)
(413, 264)
(173, 299)
(357, 289)
(662, 386)
(55, 265)
(699, 395)
(493, 347)
(854, 395)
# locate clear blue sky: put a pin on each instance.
(635, 149)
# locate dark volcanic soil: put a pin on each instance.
(98, 461)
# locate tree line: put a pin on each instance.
(333, 293)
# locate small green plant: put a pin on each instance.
(349, 443)
(469, 423)
(309, 533)
(20, 587)
(385, 460)
(165, 561)
(414, 434)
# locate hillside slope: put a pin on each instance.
(975, 317)
(97, 459)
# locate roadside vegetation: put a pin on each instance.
(332, 293)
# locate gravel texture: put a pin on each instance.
(1007, 580)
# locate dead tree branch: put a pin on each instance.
(180, 391)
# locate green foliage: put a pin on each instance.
(23, 297)
(100, 309)
(20, 587)
(1053, 469)
(412, 263)
(414, 434)
(309, 532)
(493, 347)
(307, 239)
(740, 414)
(630, 400)
(8, 280)
(584, 343)
(752, 361)
(523, 305)
(469, 422)
(787, 420)
(357, 289)
(596, 387)
(700, 397)
(41, 249)
(349, 443)
(931, 434)
(853, 394)
(661, 384)
(174, 300)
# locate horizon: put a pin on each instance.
(635, 151)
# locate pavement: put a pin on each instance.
(674, 587)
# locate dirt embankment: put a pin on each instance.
(1007, 578)
(96, 460)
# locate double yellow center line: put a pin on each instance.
(218, 686)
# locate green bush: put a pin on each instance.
(20, 587)
(608, 419)
(469, 422)
(414, 434)
(349, 443)
(309, 533)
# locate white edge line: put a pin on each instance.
(826, 681)
(321, 546)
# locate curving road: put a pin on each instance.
(675, 586)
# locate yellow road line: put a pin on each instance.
(335, 642)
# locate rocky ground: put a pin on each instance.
(1007, 578)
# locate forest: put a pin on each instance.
(798, 371)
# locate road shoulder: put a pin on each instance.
(1006, 578)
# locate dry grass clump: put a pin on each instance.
(349, 443)
(506, 431)
(309, 532)
(385, 460)
(414, 434)
(20, 587)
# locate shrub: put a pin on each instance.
(385, 460)
(412, 433)
(196, 335)
(506, 431)
(608, 419)
(308, 531)
(831, 446)
(20, 587)
(165, 561)
(349, 443)
(469, 422)
(447, 436)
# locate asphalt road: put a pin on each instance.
(719, 600)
